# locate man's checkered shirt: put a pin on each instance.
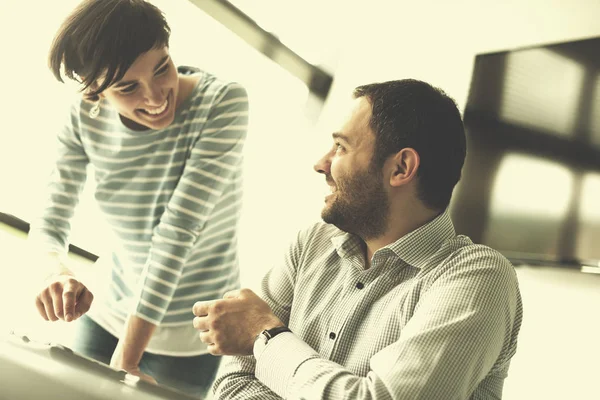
(435, 317)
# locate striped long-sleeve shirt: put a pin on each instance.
(434, 317)
(172, 197)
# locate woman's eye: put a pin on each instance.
(162, 69)
(129, 89)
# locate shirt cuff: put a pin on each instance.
(279, 360)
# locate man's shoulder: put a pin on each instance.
(462, 256)
(463, 250)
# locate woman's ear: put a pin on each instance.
(91, 98)
(87, 94)
(404, 166)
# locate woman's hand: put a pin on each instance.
(64, 298)
(118, 362)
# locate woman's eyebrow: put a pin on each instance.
(127, 83)
(161, 62)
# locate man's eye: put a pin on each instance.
(338, 146)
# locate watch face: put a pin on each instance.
(263, 337)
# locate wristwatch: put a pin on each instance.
(263, 338)
(269, 334)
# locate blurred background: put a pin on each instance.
(525, 74)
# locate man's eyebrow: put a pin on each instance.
(337, 135)
(127, 83)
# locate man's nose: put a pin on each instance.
(323, 165)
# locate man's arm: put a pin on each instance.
(208, 171)
(450, 344)
(236, 380)
(236, 377)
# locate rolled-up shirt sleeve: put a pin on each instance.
(237, 376)
(446, 349)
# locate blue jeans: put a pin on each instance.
(192, 375)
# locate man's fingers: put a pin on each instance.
(200, 308)
(231, 294)
(40, 307)
(201, 323)
(214, 349)
(206, 337)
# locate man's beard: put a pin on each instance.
(359, 205)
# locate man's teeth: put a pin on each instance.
(159, 110)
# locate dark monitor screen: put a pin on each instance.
(531, 181)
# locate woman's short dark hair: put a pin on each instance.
(103, 38)
(412, 113)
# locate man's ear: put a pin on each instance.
(404, 166)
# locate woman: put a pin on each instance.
(165, 144)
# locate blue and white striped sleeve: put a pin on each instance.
(50, 230)
(214, 160)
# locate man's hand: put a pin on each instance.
(63, 298)
(229, 326)
(118, 361)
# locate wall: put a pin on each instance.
(436, 41)
(558, 354)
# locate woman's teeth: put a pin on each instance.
(159, 110)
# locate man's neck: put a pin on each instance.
(400, 223)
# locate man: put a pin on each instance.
(383, 300)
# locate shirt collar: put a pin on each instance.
(346, 244)
(415, 248)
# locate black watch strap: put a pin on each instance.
(271, 333)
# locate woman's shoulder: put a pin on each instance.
(208, 89)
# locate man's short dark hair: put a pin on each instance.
(412, 113)
(103, 38)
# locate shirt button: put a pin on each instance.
(331, 335)
(359, 285)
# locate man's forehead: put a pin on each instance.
(356, 107)
(358, 116)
